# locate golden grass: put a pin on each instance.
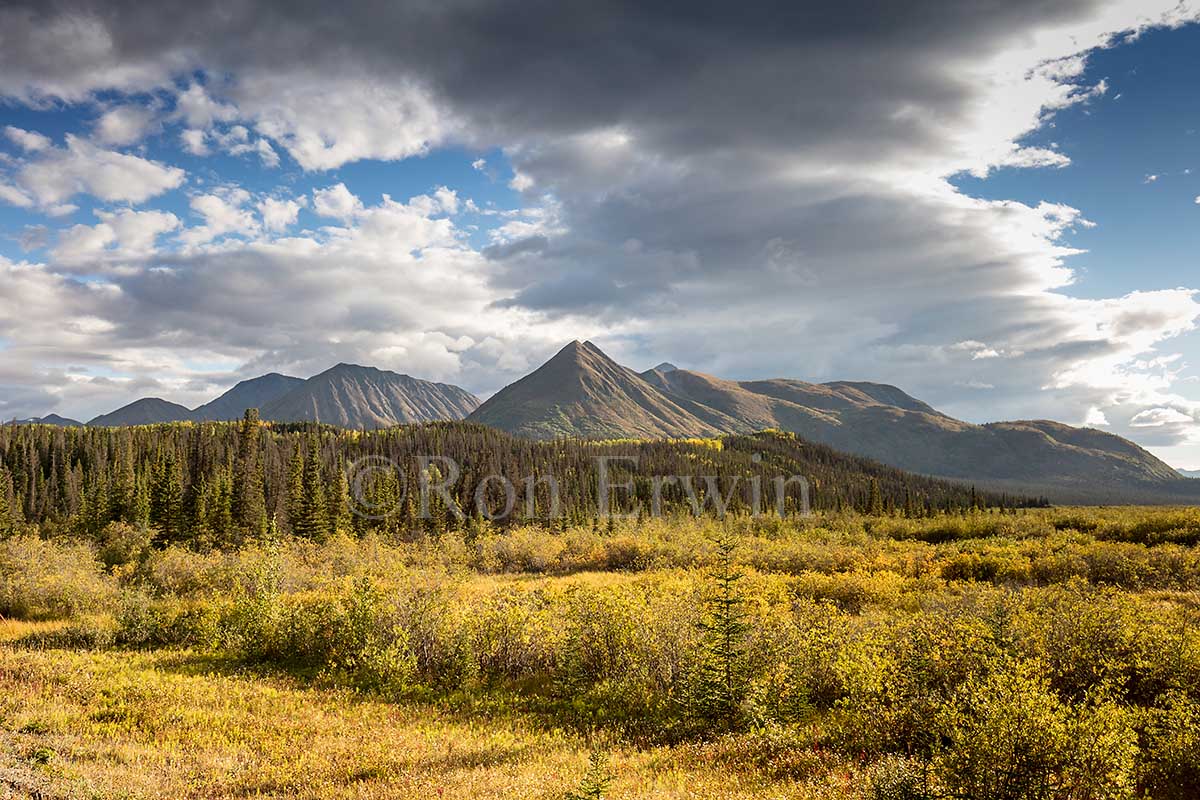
(173, 724)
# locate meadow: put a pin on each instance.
(990, 655)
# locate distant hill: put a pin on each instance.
(1190, 473)
(50, 419)
(346, 395)
(364, 397)
(253, 393)
(147, 411)
(581, 392)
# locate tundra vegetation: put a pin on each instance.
(983, 653)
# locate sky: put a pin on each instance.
(993, 206)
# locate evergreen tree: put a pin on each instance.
(722, 682)
(313, 519)
(166, 500)
(6, 521)
(295, 487)
(595, 781)
(875, 500)
(338, 501)
(249, 508)
(125, 483)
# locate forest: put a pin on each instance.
(219, 484)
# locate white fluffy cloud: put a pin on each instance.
(326, 121)
(336, 202)
(121, 235)
(29, 141)
(124, 125)
(278, 214)
(58, 174)
(224, 214)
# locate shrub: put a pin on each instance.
(1171, 770)
(901, 778)
(1009, 737)
(42, 579)
(122, 543)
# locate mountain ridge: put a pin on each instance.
(348, 395)
(250, 393)
(875, 420)
(355, 396)
(581, 392)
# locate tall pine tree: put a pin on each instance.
(249, 505)
(312, 521)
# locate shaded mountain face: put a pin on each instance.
(253, 393)
(147, 411)
(364, 397)
(346, 395)
(581, 392)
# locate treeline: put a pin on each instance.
(221, 484)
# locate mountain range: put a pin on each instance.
(50, 419)
(346, 395)
(582, 393)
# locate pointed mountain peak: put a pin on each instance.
(666, 366)
(583, 392)
(580, 353)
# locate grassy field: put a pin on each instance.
(1047, 654)
(173, 723)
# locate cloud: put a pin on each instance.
(373, 289)
(58, 174)
(279, 214)
(15, 196)
(120, 236)
(1095, 418)
(193, 141)
(324, 121)
(34, 237)
(224, 214)
(29, 141)
(770, 198)
(236, 141)
(198, 110)
(124, 125)
(1158, 417)
(336, 202)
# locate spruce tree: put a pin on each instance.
(875, 500)
(722, 681)
(166, 500)
(295, 488)
(595, 781)
(249, 509)
(313, 521)
(6, 522)
(338, 502)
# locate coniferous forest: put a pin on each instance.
(221, 484)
